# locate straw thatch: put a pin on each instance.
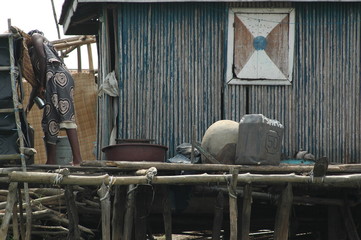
(85, 107)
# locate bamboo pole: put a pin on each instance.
(269, 169)
(352, 180)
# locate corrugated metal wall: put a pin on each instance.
(172, 57)
(170, 76)
(321, 110)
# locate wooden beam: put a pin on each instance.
(283, 214)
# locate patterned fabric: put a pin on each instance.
(59, 94)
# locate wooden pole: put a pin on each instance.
(283, 214)
(90, 58)
(246, 212)
(104, 195)
(78, 51)
(233, 209)
(218, 217)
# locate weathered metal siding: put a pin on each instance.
(171, 75)
(321, 109)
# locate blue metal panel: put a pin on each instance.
(170, 76)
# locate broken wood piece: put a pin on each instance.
(206, 153)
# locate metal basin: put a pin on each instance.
(135, 152)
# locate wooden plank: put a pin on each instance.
(283, 214)
(218, 217)
(233, 209)
(246, 212)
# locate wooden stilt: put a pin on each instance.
(104, 195)
(140, 221)
(349, 223)
(8, 210)
(118, 212)
(167, 213)
(22, 225)
(246, 213)
(218, 217)
(74, 232)
(129, 213)
(233, 209)
(16, 235)
(336, 229)
(283, 214)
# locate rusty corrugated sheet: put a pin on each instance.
(321, 109)
(170, 76)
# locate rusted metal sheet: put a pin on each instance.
(170, 72)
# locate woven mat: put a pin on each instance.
(85, 111)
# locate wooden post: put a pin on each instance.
(74, 232)
(129, 213)
(283, 214)
(104, 195)
(349, 222)
(246, 212)
(218, 217)
(118, 212)
(8, 210)
(167, 213)
(233, 210)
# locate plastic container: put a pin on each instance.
(259, 140)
